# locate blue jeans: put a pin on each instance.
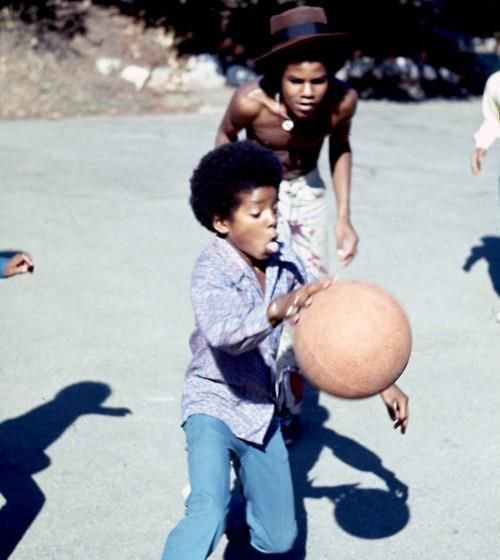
(264, 473)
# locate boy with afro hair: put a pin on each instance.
(243, 286)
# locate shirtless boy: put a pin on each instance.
(291, 109)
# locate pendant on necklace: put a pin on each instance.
(287, 125)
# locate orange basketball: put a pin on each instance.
(354, 340)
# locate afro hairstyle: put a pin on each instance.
(226, 172)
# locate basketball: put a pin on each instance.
(353, 341)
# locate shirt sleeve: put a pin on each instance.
(3, 264)
(228, 317)
(489, 131)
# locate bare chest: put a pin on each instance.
(298, 149)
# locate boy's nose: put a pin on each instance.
(307, 90)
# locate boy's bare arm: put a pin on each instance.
(339, 147)
(341, 167)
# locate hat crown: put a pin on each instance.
(297, 16)
(298, 27)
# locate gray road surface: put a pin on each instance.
(103, 325)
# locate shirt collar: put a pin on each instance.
(236, 267)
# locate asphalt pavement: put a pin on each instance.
(94, 344)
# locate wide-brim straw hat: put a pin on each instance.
(305, 25)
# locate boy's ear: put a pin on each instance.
(220, 225)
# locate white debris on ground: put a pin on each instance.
(198, 72)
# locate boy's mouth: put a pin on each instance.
(305, 108)
(272, 246)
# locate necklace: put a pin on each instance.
(287, 125)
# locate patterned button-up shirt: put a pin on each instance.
(232, 371)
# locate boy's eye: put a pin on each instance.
(255, 214)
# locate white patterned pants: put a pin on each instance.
(302, 226)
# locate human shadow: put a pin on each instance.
(489, 250)
(23, 441)
(366, 513)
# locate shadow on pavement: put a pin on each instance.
(23, 441)
(367, 513)
(489, 250)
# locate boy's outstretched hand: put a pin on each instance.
(289, 305)
(397, 406)
(21, 263)
(347, 242)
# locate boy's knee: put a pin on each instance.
(277, 542)
(208, 508)
(286, 539)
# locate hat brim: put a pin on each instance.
(271, 59)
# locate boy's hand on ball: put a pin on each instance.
(289, 305)
(397, 406)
